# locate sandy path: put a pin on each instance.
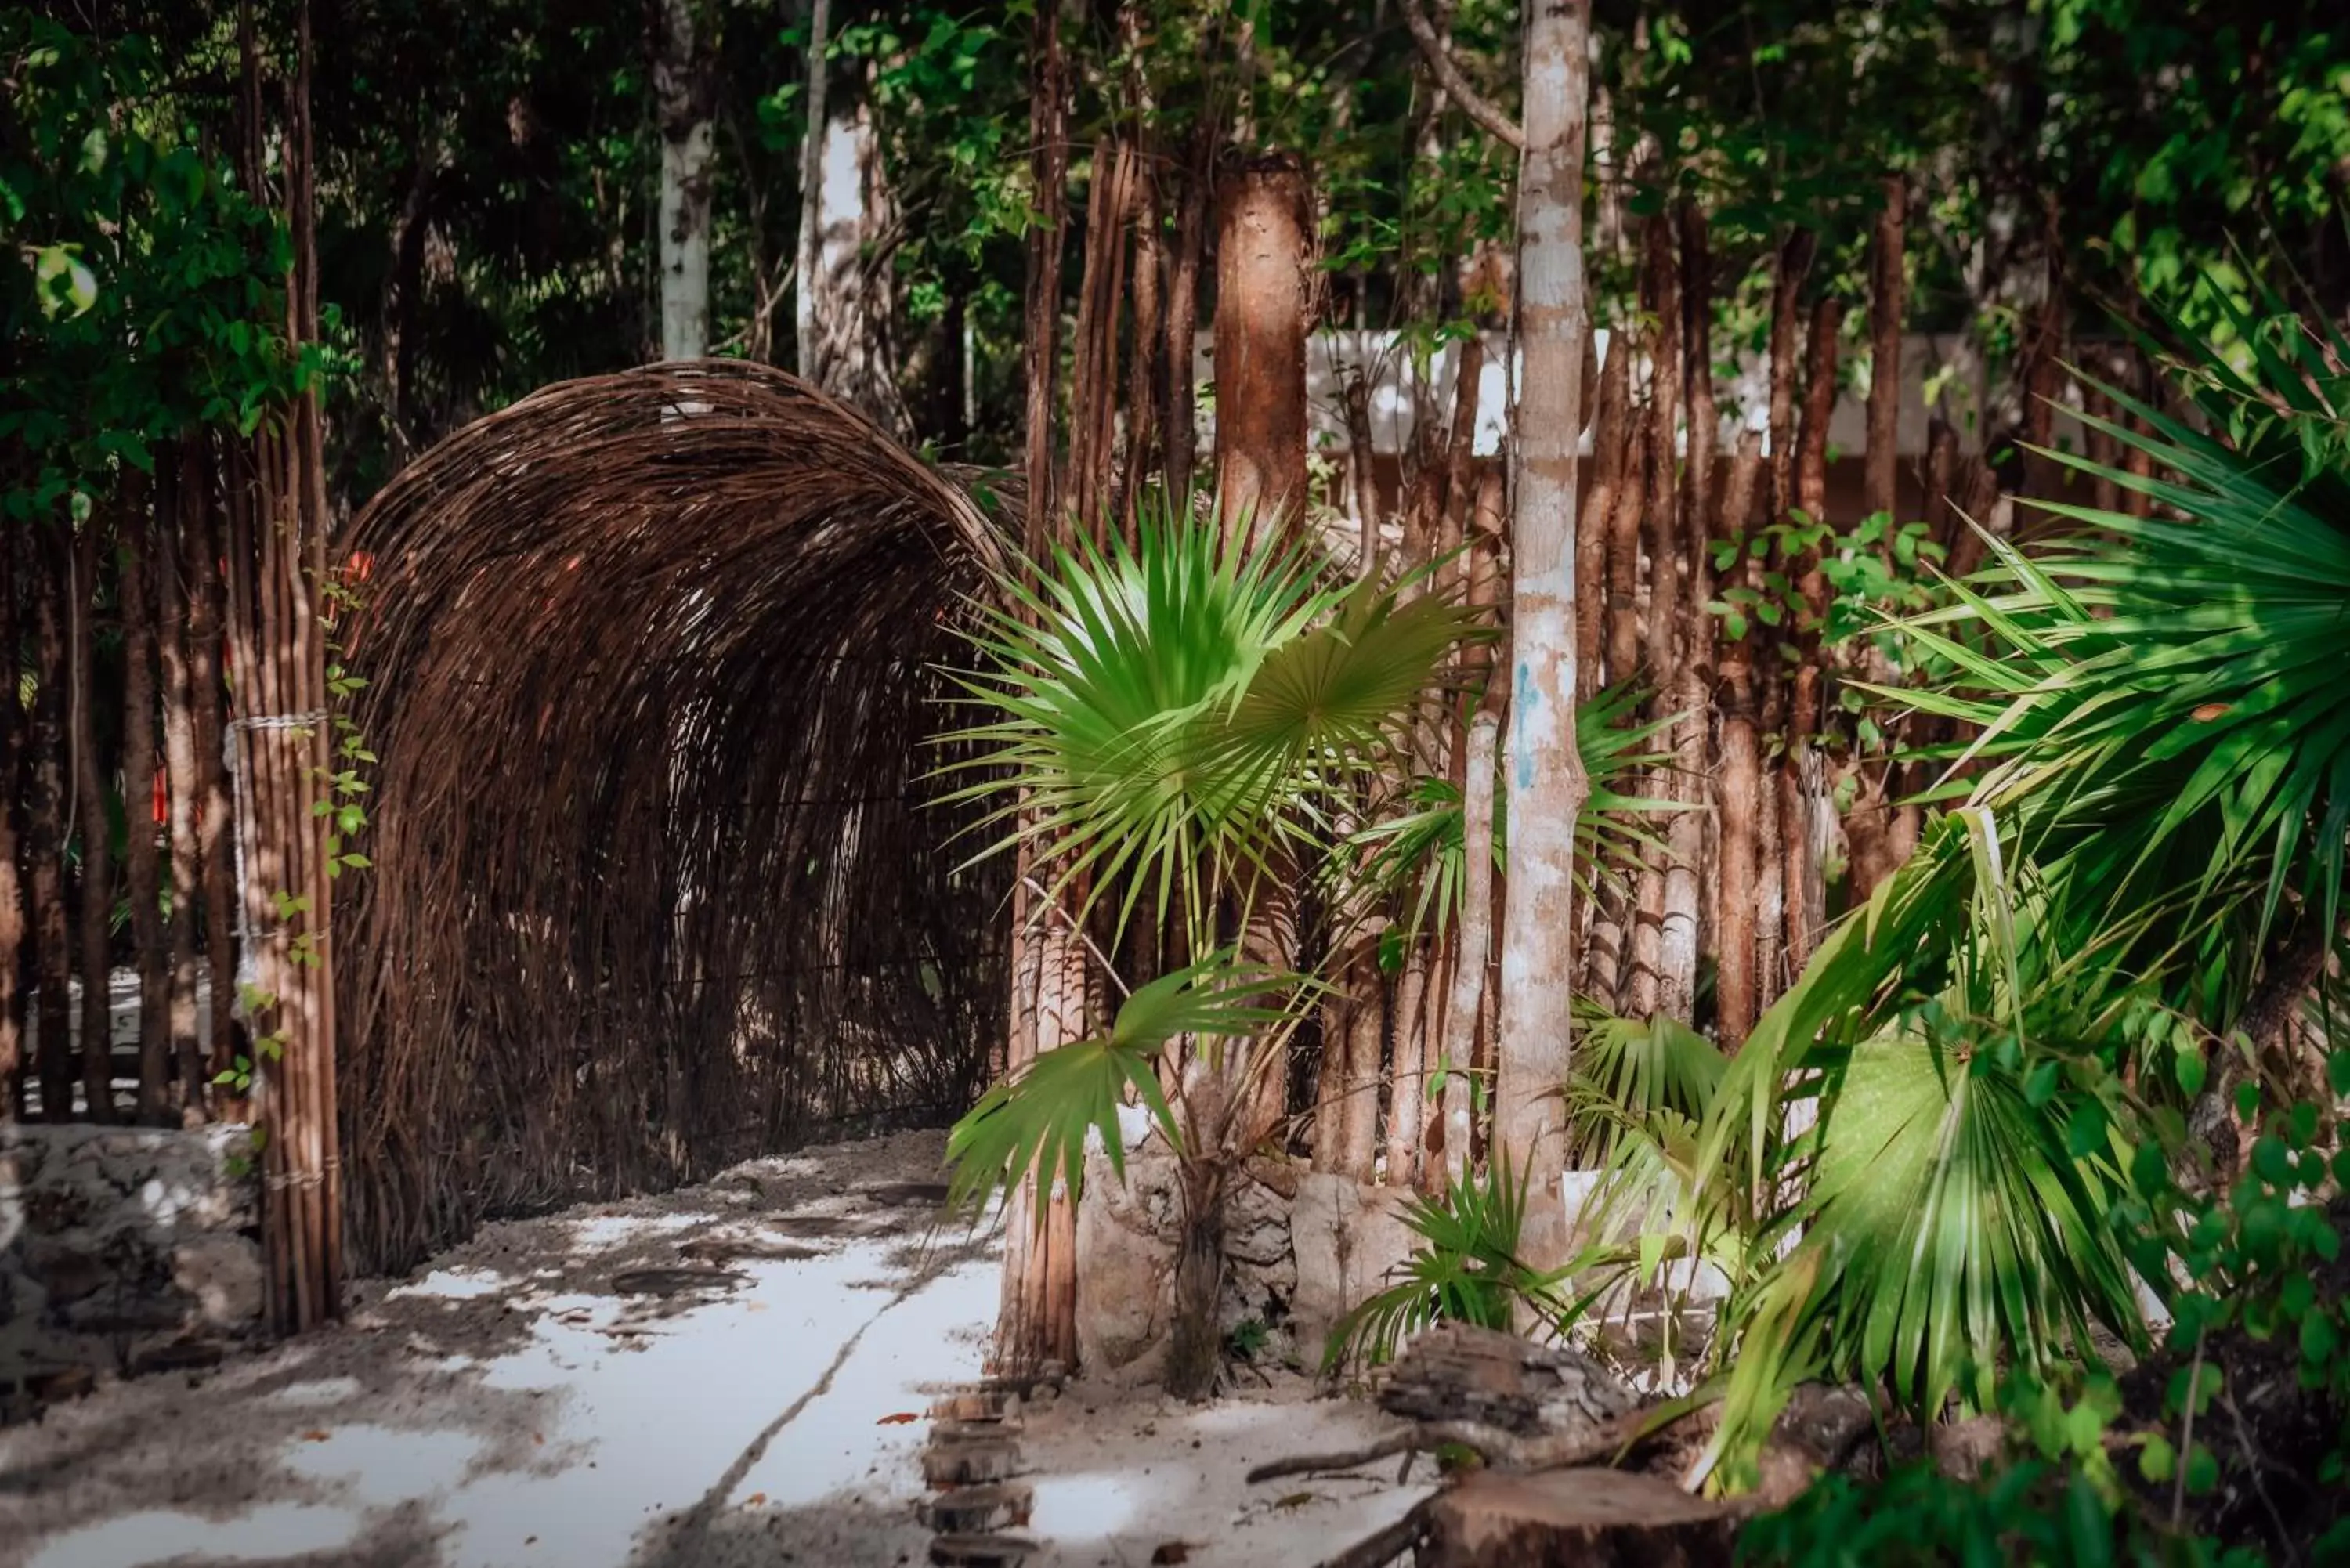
(516, 1404)
(531, 1398)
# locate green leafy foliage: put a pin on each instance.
(1466, 1269)
(1169, 713)
(1037, 1120)
(1415, 858)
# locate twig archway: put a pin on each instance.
(652, 663)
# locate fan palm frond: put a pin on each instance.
(1038, 1118)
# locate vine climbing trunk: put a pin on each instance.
(1548, 785)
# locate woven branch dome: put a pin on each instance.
(653, 664)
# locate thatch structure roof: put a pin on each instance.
(651, 664)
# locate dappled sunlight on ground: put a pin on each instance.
(609, 1387)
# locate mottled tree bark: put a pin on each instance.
(1546, 782)
(683, 90)
(1261, 320)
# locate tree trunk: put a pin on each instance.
(1037, 1323)
(208, 787)
(1882, 831)
(97, 839)
(1476, 916)
(808, 257)
(1183, 316)
(1093, 376)
(852, 354)
(1692, 693)
(684, 90)
(1739, 799)
(1547, 784)
(1145, 385)
(45, 822)
(1623, 635)
(12, 888)
(1800, 794)
(1661, 300)
(1195, 1352)
(1794, 263)
(183, 767)
(1591, 563)
(1260, 303)
(140, 623)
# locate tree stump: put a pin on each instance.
(1573, 1518)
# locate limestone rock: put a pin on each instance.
(1126, 1229)
(1345, 1238)
(1455, 1372)
(224, 1274)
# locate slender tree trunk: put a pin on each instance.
(139, 621)
(1261, 323)
(1408, 1093)
(46, 822)
(1477, 913)
(184, 769)
(1145, 385)
(1739, 798)
(1093, 379)
(853, 353)
(1793, 265)
(1801, 792)
(1183, 314)
(96, 847)
(1546, 780)
(808, 260)
(1880, 830)
(1037, 1324)
(11, 886)
(682, 93)
(1591, 562)
(1692, 693)
(1661, 291)
(1473, 973)
(1624, 554)
(208, 786)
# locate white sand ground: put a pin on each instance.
(517, 1404)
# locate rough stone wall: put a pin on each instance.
(1300, 1251)
(123, 1248)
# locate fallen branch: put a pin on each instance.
(1549, 1451)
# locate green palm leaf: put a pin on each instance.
(1169, 711)
(1037, 1119)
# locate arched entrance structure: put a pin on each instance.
(653, 660)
